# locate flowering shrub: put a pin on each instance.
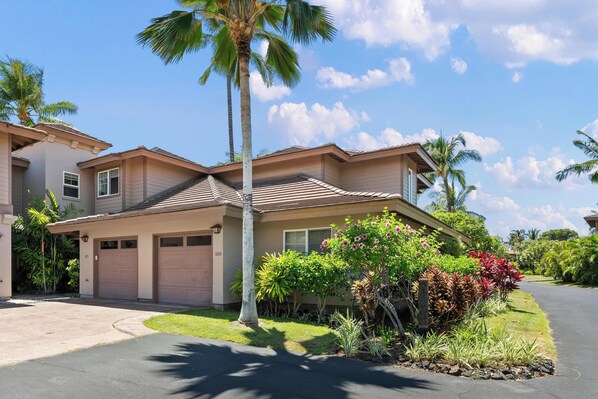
(500, 272)
(462, 265)
(389, 254)
(450, 295)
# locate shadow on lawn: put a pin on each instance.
(208, 370)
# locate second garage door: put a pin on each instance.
(117, 268)
(185, 270)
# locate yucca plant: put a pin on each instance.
(349, 332)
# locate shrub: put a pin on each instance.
(450, 296)
(462, 265)
(324, 275)
(559, 235)
(73, 271)
(388, 254)
(573, 261)
(500, 272)
(349, 332)
(531, 254)
(376, 347)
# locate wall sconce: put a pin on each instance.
(216, 229)
(1, 235)
(85, 238)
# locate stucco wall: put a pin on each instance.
(5, 208)
(34, 180)
(17, 189)
(145, 228)
(232, 251)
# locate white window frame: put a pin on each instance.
(284, 236)
(107, 171)
(410, 184)
(78, 186)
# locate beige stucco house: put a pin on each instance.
(12, 138)
(166, 229)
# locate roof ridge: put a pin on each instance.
(352, 193)
(215, 191)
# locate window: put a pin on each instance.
(109, 244)
(128, 244)
(195, 241)
(166, 242)
(305, 241)
(410, 185)
(70, 185)
(108, 183)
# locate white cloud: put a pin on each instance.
(399, 70)
(517, 76)
(531, 173)
(591, 129)
(513, 32)
(389, 137)
(387, 22)
(503, 214)
(483, 144)
(264, 93)
(306, 126)
(458, 65)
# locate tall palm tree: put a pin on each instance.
(589, 146)
(533, 234)
(516, 236)
(235, 25)
(22, 95)
(457, 196)
(449, 154)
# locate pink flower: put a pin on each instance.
(372, 249)
(361, 245)
(324, 244)
(357, 238)
(345, 243)
(340, 251)
(353, 247)
(398, 229)
(365, 236)
(408, 227)
(426, 245)
(376, 241)
(387, 235)
(336, 235)
(373, 224)
(387, 224)
(437, 252)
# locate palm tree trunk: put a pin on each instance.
(449, 198)
(248, 314)
(229, 101)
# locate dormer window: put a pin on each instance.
(108, 182)
(70, 185)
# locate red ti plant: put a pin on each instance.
(499, 272)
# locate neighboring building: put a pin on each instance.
(166, 229)
(12, 138)
(593, 222)
(52, 164)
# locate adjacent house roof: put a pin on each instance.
(22, 136)
(154, 153)
(592, 220)
(72, 133)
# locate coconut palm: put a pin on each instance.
(456, 196)
(449, 154)
(589, 146)
(533, 234)
(516, 237)
(235, 25)
(22, 95)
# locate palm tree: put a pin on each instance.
(22, 95)
(516, 237)
(457, 196)
(590, 148)
(448, 156)
(235, 25)
(533, 234)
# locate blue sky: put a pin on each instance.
(518, 77)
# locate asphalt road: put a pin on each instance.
(164, 365)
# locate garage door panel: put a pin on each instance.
(117, 273)
(185, 274)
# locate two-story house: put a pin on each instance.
(166, 229)
(12, 138)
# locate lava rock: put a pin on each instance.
(455, 370)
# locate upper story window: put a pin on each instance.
(108, 182)
(410, 185)
(70, 185)
(307, 240)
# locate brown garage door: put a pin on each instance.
(117, 268)
(185, 270)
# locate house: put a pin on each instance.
(166, 229)
(12, 138)
(593, 222)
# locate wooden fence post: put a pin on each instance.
(423, 305)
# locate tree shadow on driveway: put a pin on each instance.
(216, 369)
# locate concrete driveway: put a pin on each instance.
(31, 329)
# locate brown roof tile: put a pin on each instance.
(68, 129)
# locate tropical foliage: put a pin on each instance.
(589, 146)
(450, 154)
(573, 260)
(22, 95)
(41, 256)
(559, 235)
(235, 25)
(503, 276)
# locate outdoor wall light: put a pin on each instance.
(216, 229)
(85, 238)
(1, 235)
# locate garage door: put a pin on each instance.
(117, 268)
(185, 270)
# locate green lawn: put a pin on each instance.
(275, 333)
(525, 319)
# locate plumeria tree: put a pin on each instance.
(386, 256)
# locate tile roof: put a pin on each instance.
(68, 129)
(294, 192)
